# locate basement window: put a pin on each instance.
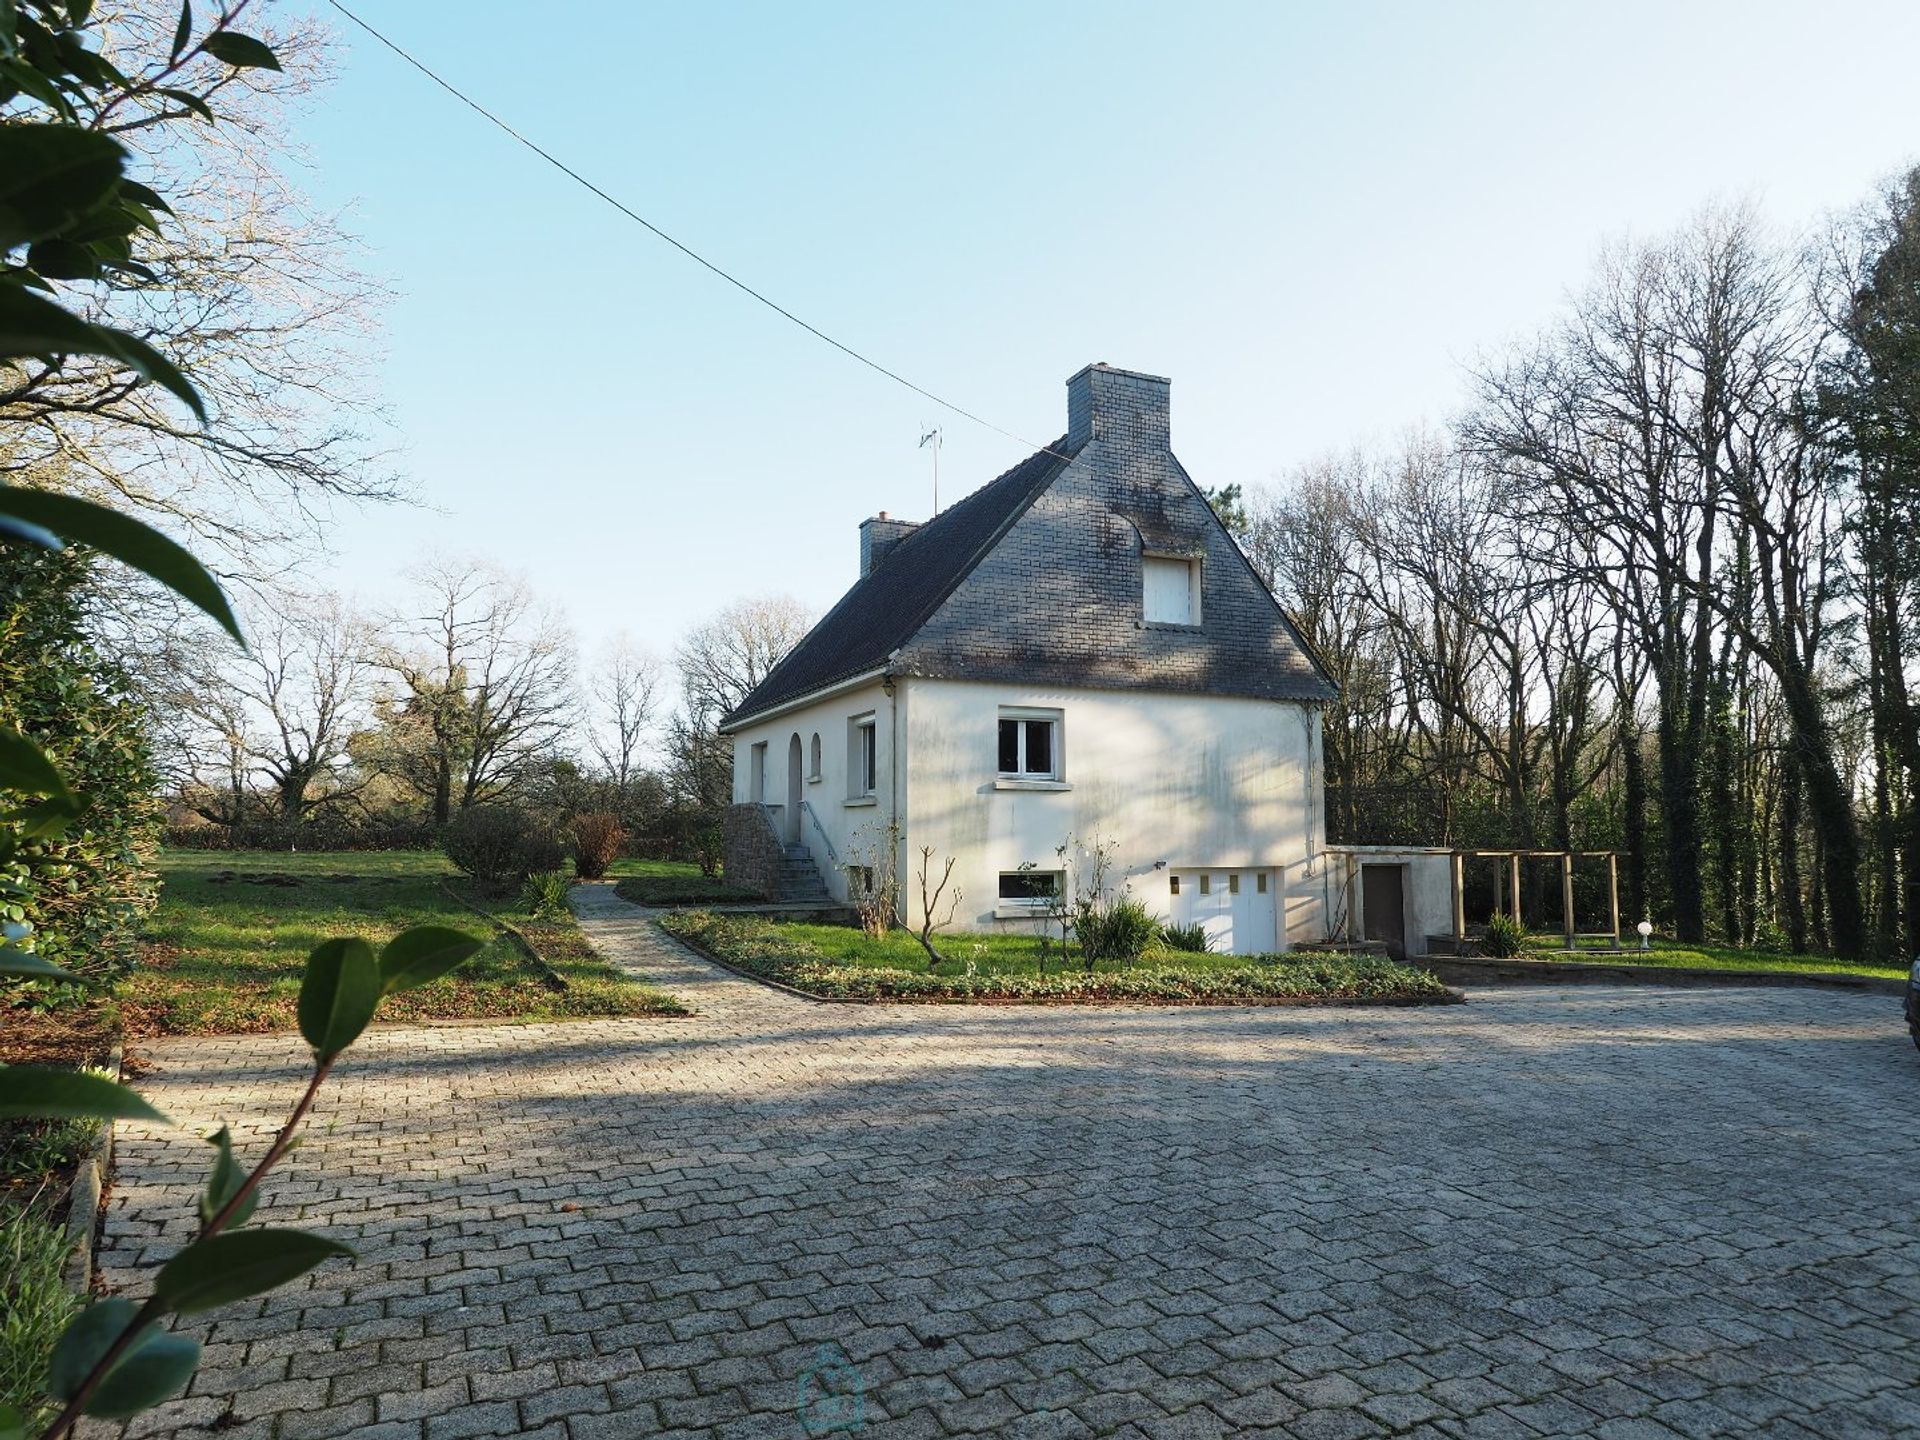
(1035, 889)
(1029, 745)
(1169, 590)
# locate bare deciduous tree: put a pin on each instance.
(480, 687)
(626, 692)
(252, 290)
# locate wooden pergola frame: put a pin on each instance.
(1511, 874)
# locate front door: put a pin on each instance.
(791, 819)
(1383, 906)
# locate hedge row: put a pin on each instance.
(762, 948)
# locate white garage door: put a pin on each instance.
(1236, 907)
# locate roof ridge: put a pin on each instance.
(1036, 471)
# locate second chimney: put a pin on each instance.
(878, 536)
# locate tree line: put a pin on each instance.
(341, 729)
(1656, 588)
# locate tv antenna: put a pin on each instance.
(932, 438)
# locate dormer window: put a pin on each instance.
(1170, 590)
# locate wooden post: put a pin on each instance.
(1513, 870)
(1613, 894)
(1459, 903)
(1566, 894)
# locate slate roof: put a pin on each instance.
(887, 607)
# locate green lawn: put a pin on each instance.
(1708, 957)
(227, 943)
(673, 882)
(840, 962)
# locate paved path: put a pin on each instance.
(1611, 1212)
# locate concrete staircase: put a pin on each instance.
(799, 879)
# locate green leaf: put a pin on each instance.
(15, 961)
(152, 199)
(13, 1425)
(44, 1093)
(233, 1266)
(243, 52)
(182, 32)
(224, 1183)
(81, 1345)
(190, 101)
(422, 955)
(24, 766)
(126, 540)
(156, 1366)
(77, 12)
(63, 260)
(338, 995)
(31, 534)
(32, 325)
(48, 817)
(51, 177)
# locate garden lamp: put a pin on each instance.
(1645, 927)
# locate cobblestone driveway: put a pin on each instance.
(1616, 1212)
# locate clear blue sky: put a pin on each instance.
(1310, 216)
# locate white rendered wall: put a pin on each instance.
(1195, 781)
(848, 829)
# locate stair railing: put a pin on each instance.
(821, 830)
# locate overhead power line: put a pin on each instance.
(685, 249)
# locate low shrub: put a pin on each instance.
(1190, 939)
(1115, 932)
(597, 838)
(1505, 937)
(500, 847)
(544, 896)
(762, 948)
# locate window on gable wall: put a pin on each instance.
(1030, 744)
(1169, 590)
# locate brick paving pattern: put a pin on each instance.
(1621, 1213)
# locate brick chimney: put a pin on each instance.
(1120, 406)
(878, 536)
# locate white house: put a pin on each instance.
(1077, 650)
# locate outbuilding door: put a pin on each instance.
(1383, 906)
(1235, 907)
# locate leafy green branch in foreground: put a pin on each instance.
(113, 1360)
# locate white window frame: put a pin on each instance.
(863, 758)
(757, 772)
(1023, 778)
(1192, 622)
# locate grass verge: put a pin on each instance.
(35, 1303)
(1673, 953)
(227, 944)
(793, 955)
(673, 882)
